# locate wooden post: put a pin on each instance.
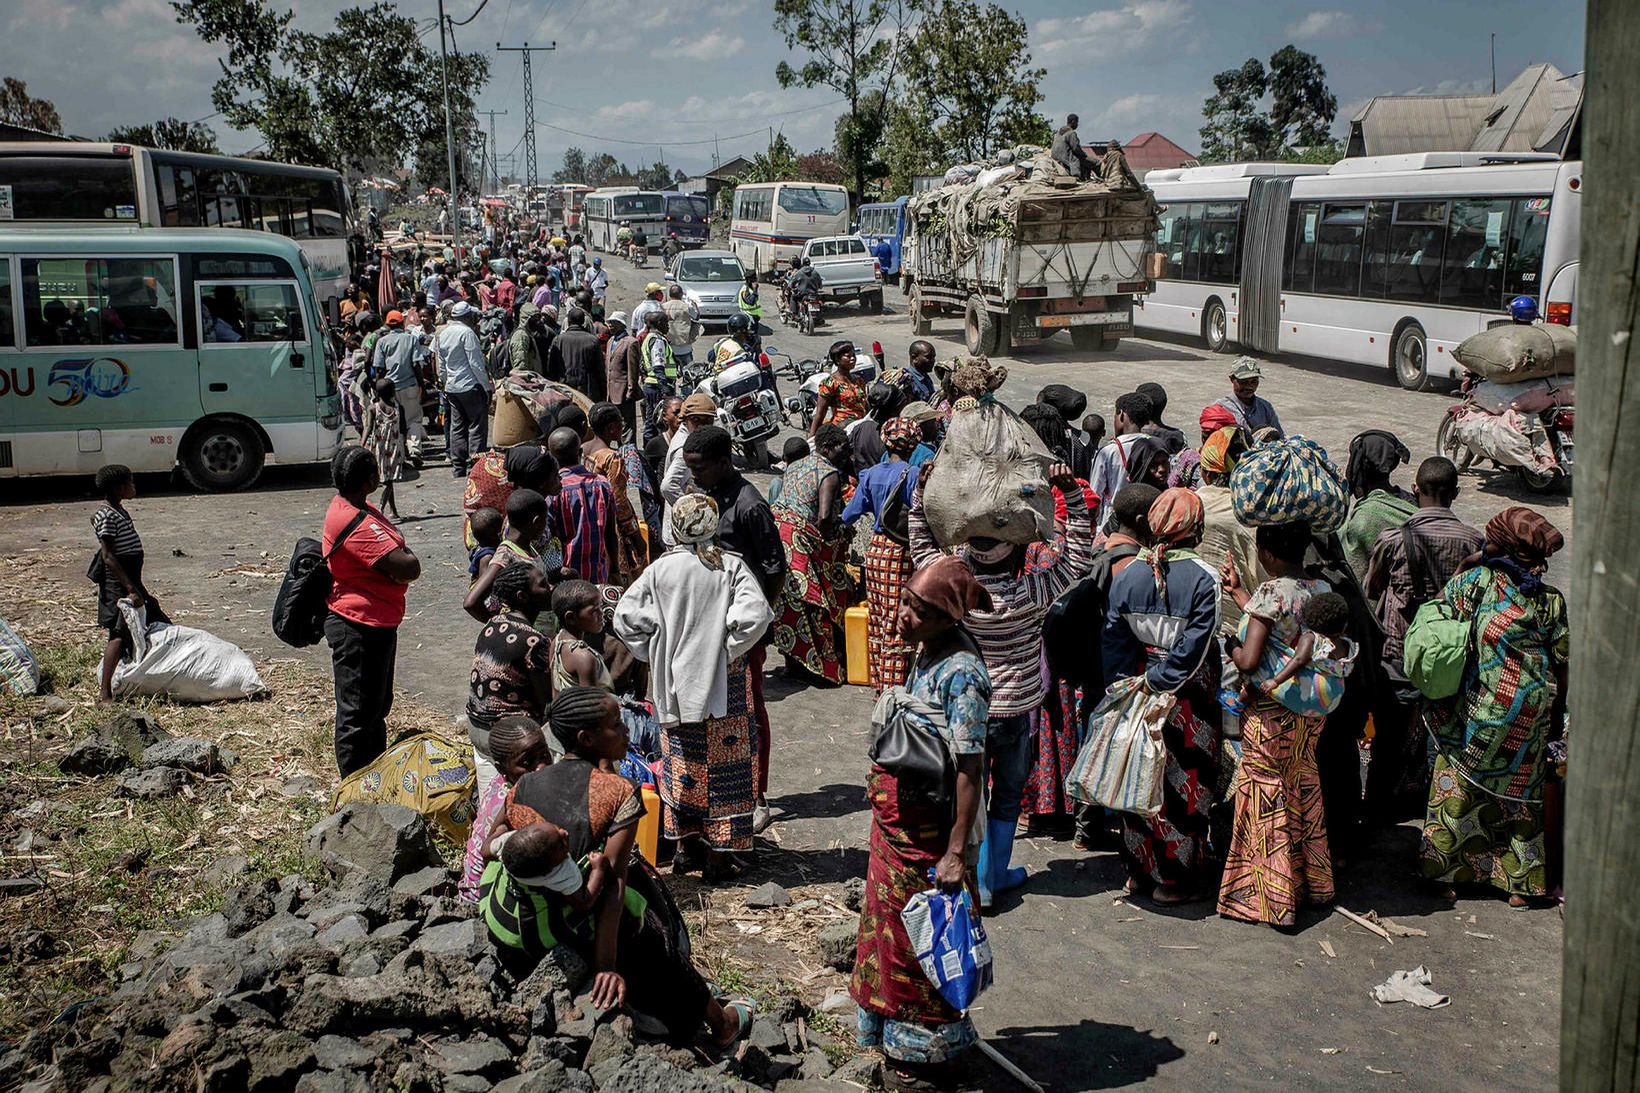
(1600, 1017)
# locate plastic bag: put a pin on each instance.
(1501, 437)
(950, 944)
(1531, 397)
(1512, 352)
(429, 773)
(992, 479)
(182, 663)
(1123, 761)
(1286, 481)
(19, 671)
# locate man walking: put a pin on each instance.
(577, 356)
(397, 354)
(653, 294)
(597, 280)
(682, 325)
(466, 386)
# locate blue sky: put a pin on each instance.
(668, 76)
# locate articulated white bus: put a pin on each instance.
(772, 220)
(1387, 260)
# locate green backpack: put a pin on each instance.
(1436, 650)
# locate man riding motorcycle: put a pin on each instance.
(803, 283)
(640, 244)
(671, 248)
(623, 236)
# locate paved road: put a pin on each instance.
(1091, 993)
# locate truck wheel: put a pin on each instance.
(1087, 337)
(221, 456)
(921, 324)
(979, 327)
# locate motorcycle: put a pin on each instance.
(1532, 435)
(747, 410)
(808, 315)
(639, 254)
(808, 373)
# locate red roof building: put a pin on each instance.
(1152, 151)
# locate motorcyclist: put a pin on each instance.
(744, 342)
(806, 281)
(1523, 310)
(640, 243)
(671, 248)
(623, 235)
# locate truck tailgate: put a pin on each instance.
(1066, 269)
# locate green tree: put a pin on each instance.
(18, 107)
(574, 168)
(969, 74)
(172, 133)
(1300, 115)
(907, 151)
(600, 168)
(852, 47)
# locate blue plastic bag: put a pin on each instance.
(950, 944)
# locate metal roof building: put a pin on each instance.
(1538, 108)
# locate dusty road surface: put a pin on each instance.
(1092, 991)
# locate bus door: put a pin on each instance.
(256, 357)
(104, 376)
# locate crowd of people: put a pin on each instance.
(628, 582)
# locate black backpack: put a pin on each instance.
(299, 609)
(1077, 619)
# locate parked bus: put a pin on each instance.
(82, 183)
(574, 194)
(161, 348)
(1388, 260)
(883, 227)
(690, 216)
(604, 211)
(772, 220)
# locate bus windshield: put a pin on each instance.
(812, 199)
(625, 205)
(686, 206)
(69, 188)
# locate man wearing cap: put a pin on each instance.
(466, 385)
(682, 324)
(522, 355)
(397, 353)
(623, 382)
(660, 369)
(699, 411)
(653, 294)
(1251, 412)
(597, 279)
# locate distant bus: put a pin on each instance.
(82, 184)
(1389, 260)
(772, 220)
(883, 226)
(161, 348)
(603, 212)
(690, 216)
(574, 194)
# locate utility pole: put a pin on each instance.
(495, 167)
(1600, 1015)
(449, 138)
(1493, 50)
(529, 102)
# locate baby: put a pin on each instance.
(486, 525)
(1310, 680)
(531, 869)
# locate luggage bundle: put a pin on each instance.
(426, 772)
(1287, 481)
(1515, 353)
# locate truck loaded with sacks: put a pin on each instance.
(1020, 251)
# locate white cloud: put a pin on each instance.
(713, 45)
(1480, 86)
(1327, 24)
(1105, 32)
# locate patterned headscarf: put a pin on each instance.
(695, 527)
(900, 436)
(1216, 451)
(948, 585)
(1523, 535)
(1175, 517)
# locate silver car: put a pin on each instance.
(711, 278)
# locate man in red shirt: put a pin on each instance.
(371, 567)
(583, 512)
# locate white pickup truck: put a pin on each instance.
(847, 270)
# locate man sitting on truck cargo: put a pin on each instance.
(1068, 151)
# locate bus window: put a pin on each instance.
(99, 301)
(1192, 251)
(1304, 228)
(70, 187)
(1221, 242)
(1338, 251)
(1170, 237)
(1416, 239)
(250, 313)
(1375, 251)
(1528, 231)
(212, 267)
(8, 328)
(812, 199)
(1476, 235)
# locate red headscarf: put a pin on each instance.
(948, 585)
(1216, 417)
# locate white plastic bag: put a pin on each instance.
(1123, 762)
(1501, 437)
(181, 663)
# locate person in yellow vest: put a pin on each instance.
(749, 306)
(660, 371)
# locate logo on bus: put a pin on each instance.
(96, 377)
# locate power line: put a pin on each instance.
(648, 143)
(454, 22)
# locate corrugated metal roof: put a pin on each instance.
(1513, 120)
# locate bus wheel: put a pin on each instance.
(221, 456)
(1410, 356)
(1215, 326)
(979, 327)
(921, 324)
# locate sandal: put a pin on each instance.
(745, 1011)
(1171, 896)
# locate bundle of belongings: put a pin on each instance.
(522, 401)
(993, 471)
(1524, 370)
(1289, 480)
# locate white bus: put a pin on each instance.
(603, 211)
(82, 184)
(772, 220)
(161, 348)
(1389, 260)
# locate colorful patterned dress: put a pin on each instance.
(809, 615)
(1278, 857)
(886, 568)
(1056, 724)
(900, 1010)
(848, 398)
(1485, 817)
(708, 771)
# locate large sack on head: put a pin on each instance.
(992, 480)
(1287, 481)
(424, 771)
(182, 663)
(1513, 353)
(521, 399)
